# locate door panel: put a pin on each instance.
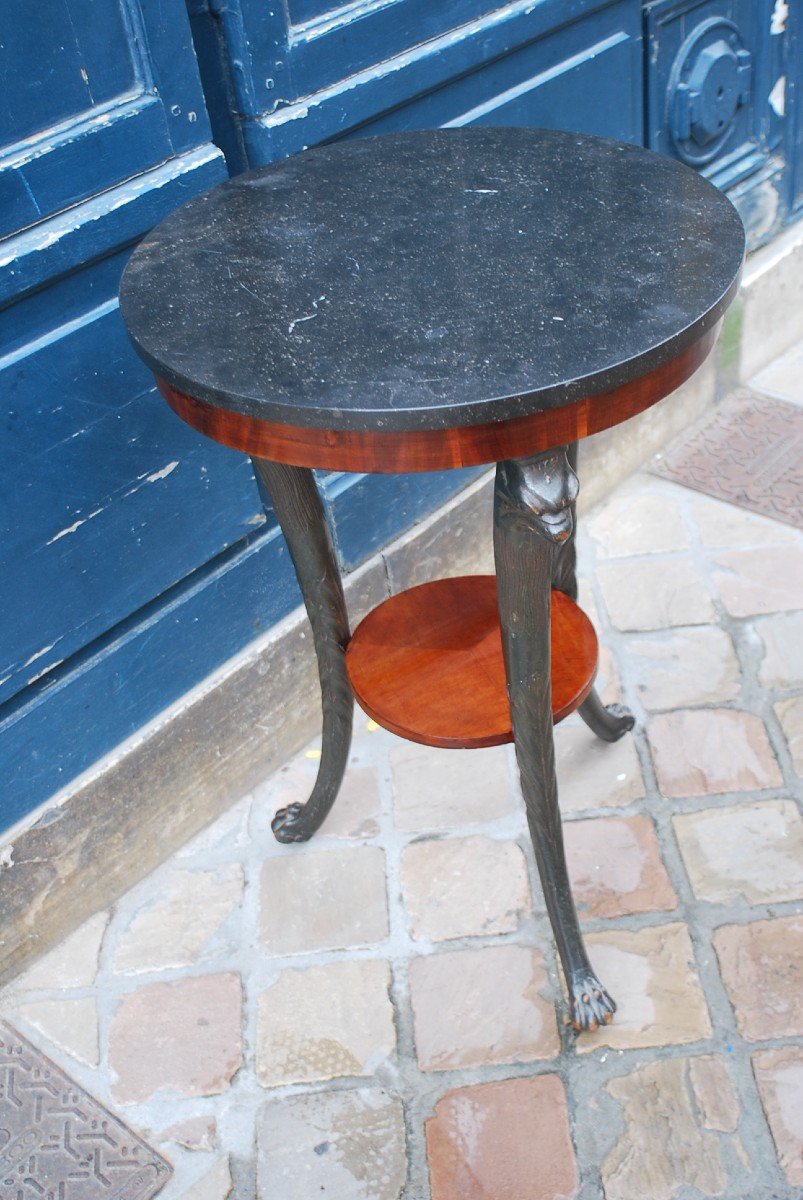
(107, 502)
(119, 95)
(546, 84)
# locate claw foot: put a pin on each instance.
(288, 824)
(590, 1004)
(622, 719)
(607, 721)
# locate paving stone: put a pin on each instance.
(655, 594)
(464, 887)
(637, 521)
(355, 813)
(215, 1184)
(323, 899)
(652, 978)
(750, 850)
(347, 1145)
(325, 1022)
(184, 1036)
(439, 789)
(507, 1140)
(790, 714)
(194, 1133)
(179, 926)
(473, 1007)
(782, 638)
(698, 752)
(765, 580)
(616, 867)
(662, 1150)
(74, 963)
(593, 774)
(762, 964)
(714, 1094)
(684, 667)
(779, 1075)
(69, 1023)
(723, 525)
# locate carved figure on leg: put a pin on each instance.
(294, 496)
(533, 504)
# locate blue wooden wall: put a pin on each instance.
(135, 556)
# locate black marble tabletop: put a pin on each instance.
(433, 279)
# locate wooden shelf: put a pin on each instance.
(427, 664)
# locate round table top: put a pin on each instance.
(433, 279)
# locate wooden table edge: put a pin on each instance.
(392, 452)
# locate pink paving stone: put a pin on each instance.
(354, 815)
(472, 1007)
(440, 789)
(194, 1133)
(652, 975)
(593, 774)
(323, 899)
(616, 867)
(184, 1036)
(656, 594)
(343, 1145)
(766, 580)
(762, 964)
(464, 887)
(751, 850)
(779, 1075)
(660, 1150)
(507, 1140)
(703, 751)
(325, 1021)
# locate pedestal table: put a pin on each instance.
(428, 300)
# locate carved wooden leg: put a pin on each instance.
(610, 721)
(294, 495)
(532, 515)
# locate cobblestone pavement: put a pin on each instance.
(379, 1013)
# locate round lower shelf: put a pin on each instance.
(427, 664)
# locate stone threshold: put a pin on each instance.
(114, 824)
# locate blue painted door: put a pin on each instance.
(107, 506)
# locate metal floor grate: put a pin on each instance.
(58, 1143)
(750, 454)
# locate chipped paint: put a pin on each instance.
(163, 474)
(128, 104)
(780, 13)
(777, 97)
(47, 233)
(39, 654)
(72, 528)
(46, 670)
(64, 532)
